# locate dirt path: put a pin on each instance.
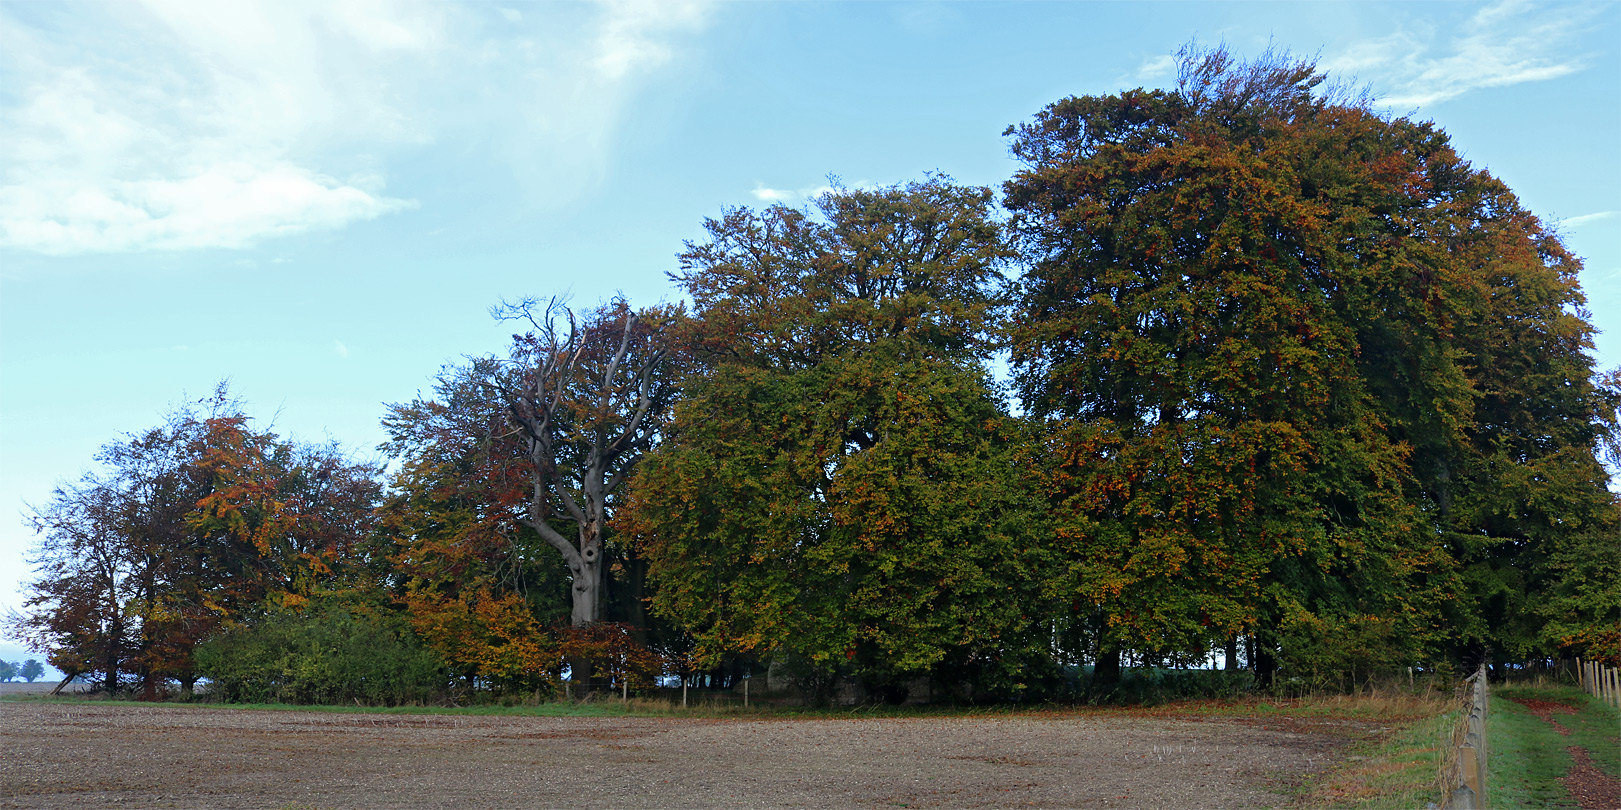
(1592, 788)
(1546, 709)
(90, 755)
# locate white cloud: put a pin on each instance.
(1585, 219)
(339, 349)
(631, 36)
(1507, 43)
(564, 90)
(227, 205)
(772, 195)
(1157, 67)
(180, 124)
(172, 126)
(766, 194)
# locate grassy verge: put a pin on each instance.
(1398, 770)
(1528, 754)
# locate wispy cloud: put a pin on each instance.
(1155, 68)
(1507, 43)
(167, 125)
(1586, 219)
(767, 194)
(339, 349)
(172, 125)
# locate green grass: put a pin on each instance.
(1527, 755)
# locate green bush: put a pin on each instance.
(324, 654)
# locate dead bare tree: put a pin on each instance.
(589, 396)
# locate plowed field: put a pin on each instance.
(90, 755)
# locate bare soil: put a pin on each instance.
(90, 755)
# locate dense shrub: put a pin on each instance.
(323, 654)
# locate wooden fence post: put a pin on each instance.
(1469, 771)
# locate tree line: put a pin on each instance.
(1292, 384)
(29, 670)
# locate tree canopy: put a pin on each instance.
(194, 526)
(1273, 337)
(839, 483)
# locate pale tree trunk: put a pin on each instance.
(589, 402)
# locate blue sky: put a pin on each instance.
(321, 201)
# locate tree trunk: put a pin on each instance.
(1231, 653)
(1266, 665)
(626, 595)
(64, 683)
(587, 587)
(1107, 671)
(109, 681)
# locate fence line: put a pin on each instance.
(1600, 681)
(1466, 774)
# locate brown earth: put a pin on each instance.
(1593, 789)
(89, 755)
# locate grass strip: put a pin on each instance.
(1397, 770)
(1527, 754)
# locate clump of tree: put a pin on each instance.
(1297, 386)
(189, 528)
(29, 670)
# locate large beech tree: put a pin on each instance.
(511, 475)
(588, 396)
(839, 484)
(1271, 334)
